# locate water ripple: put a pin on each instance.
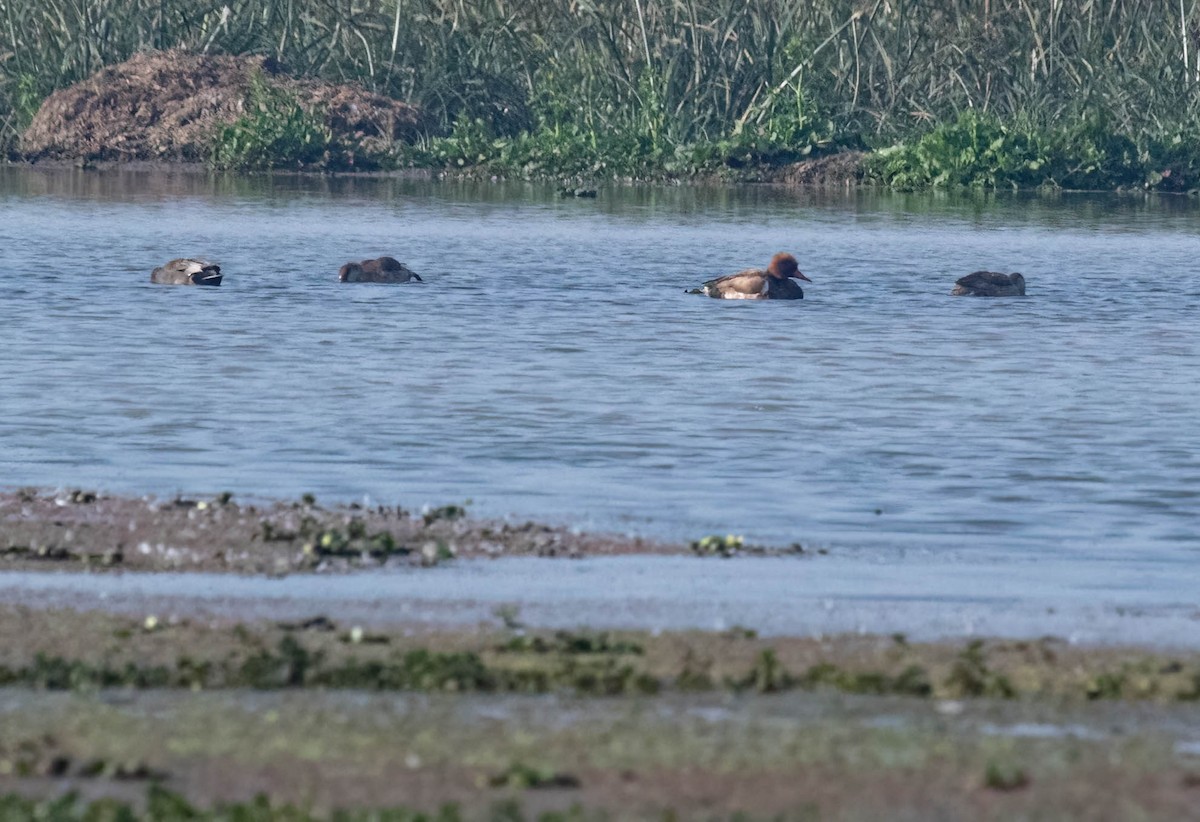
(554, 367)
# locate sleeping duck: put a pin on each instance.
(990, 284)
(187, 272)
(756, 284)
(380, 270)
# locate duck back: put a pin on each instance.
(989, 284)
(378, 270)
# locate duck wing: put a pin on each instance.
(750, 284)
(397, 272)
(172, 273)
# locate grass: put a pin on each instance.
(1080, 93)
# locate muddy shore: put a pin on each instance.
(625, 725)
(788, 757)
(478, 705)
(77, 528)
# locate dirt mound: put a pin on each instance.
(168, 105)
(844, 168)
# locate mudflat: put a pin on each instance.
(325, 715)
(127, 685)
(76, 528)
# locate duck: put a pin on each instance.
(989, 284)
(776, 283)
(379, 270)
(185, 271)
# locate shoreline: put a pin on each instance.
(805, 175)
(598, 724)
(619, 683)
(391, 567)
(841, 170)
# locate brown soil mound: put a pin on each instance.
(168, 105)
(841, 169)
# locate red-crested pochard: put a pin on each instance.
(755, 284)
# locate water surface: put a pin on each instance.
(1087, 602)
(553, 367)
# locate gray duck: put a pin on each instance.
(989, 284)
(184, 271)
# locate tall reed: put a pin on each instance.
(668, 71)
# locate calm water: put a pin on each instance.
(1131, 602)
(553, 366)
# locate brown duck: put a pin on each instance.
(756, 284)
(187, 272)
(379, 270)
(989, 284)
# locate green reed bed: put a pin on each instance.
(1085, 92)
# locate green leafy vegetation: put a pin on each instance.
(352, 542)
(972, 676)
(1005, 776)
(315, 653)
(571, 642)
(1077, 94)
(524, 777)
(912, 681)
(979, 150)
(44, 757)
(719, 545)
(730, 545)
(276, 132)
(450, 513)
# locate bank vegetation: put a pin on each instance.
(1066, 93)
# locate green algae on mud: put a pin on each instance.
(591, 724)
(616, 758)
(66, 650)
